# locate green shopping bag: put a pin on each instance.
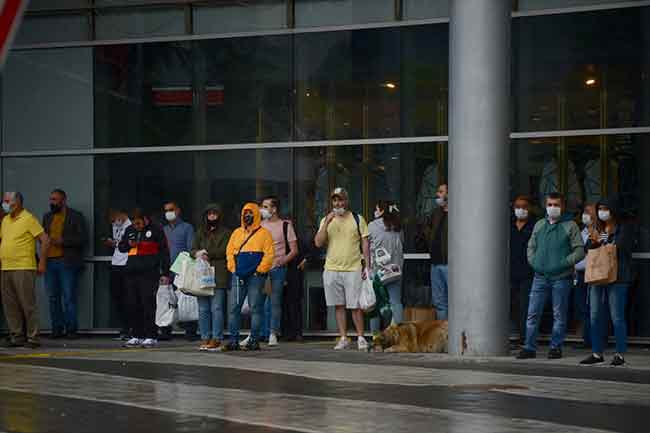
(382, 307)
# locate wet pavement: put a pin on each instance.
(96, 386)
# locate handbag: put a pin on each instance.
(246, 263)
(386, 271)
(602, 265)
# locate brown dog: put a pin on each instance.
(429, 336)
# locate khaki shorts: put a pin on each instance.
(342, 288)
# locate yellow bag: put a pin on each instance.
(602, 265)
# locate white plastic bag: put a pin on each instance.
(166, 306)
(196, 278)
(188, 307)
(367, 298)
(204, 273)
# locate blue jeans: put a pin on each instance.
(251, 287)
(616, 294)
(273, 304)
(211, 314)
(395, 294)
(559, 290)
(61, 285)
(581, 306)
(439, 290)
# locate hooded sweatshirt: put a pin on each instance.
(554, 249)
(151, 252)
(260, 242)
(214, 242)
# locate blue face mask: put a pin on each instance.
(6, 207)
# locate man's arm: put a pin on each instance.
(44, 239)
(365, 247)
(532, 246)
(577, 245)
(321, 237)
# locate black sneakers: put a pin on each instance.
(555, 353)
(592, 359)
(252, 346)
(231, 347)
(618, 360)
(526, 354)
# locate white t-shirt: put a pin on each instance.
(119, 258)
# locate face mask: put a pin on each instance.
(338, 211)
(170, 216)
(378, 214)
(266, 214)
(213, 223)
(6, 207)
(441, 201)
(248, 219)
(604, 215)
(55, 207)
(521, 213)
(586, 219)
(553, 212)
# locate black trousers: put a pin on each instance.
(519, 295)
(292, 304)
(119, 297)
(142, 288)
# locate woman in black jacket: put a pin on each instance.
(146, 267)
(610, 230)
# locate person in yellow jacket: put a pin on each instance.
(250, 257)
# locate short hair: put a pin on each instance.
(60, 192)
(174, 202)
(522, 197)
(139, 213)
(555, 196)
(275, 201)
(17, 196)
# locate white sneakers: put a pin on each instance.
(138, 342)
(273, 339)
(245, 341)
(344, 343)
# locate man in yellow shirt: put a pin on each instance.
(344, 233)
(18, 234)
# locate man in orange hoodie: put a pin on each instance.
(250, 257)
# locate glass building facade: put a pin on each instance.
(131, 103)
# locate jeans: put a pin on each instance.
(395, 294)
(559, 290)
(617, 296)
(61, 284)
(251, 287)
(439, 290)
(273, 304)
(581, 306)
(211, 315)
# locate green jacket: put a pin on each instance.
(215, 243)
(554, 249)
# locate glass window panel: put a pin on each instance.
(240, 17)
(311, 13)
(143, 94)
(136, 23)
(524, 5)
(422, 9)
(581, 70)
(52, 89)
(247, 88)
(39, 5)
(54, 28)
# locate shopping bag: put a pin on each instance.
(602, 265)
(188, 307)
(382, 307)
(177, 266)
(204, 273)
(166, 306)
(197, 278)
(367, 298)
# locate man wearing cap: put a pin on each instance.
(346, 236)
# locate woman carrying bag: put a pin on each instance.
(209, 244)
(609, 232)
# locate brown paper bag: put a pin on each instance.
(602, 265)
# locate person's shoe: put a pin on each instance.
(214, 346)
(245, 342)
(526, 354)
(14, 343)
(618, 360)
(273, 339)
(134, 342)
(252, 345)
(31, 344)
(362, 344)
(342, 344)
(555, 353)
(150, 342)
(592, 359)
(231, 347)
(72, 336)
(204, 345)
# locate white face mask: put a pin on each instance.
(604, 215)
(338, 211)
(170, 216)
(553, 212)
(6, 207)
(266, 214)
(378, 214)
(521, 213)
(441, 201)
(586, 219)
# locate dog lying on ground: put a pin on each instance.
(428, 336)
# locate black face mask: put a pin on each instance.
(55, 208)
(213, 223)
(248, 219)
